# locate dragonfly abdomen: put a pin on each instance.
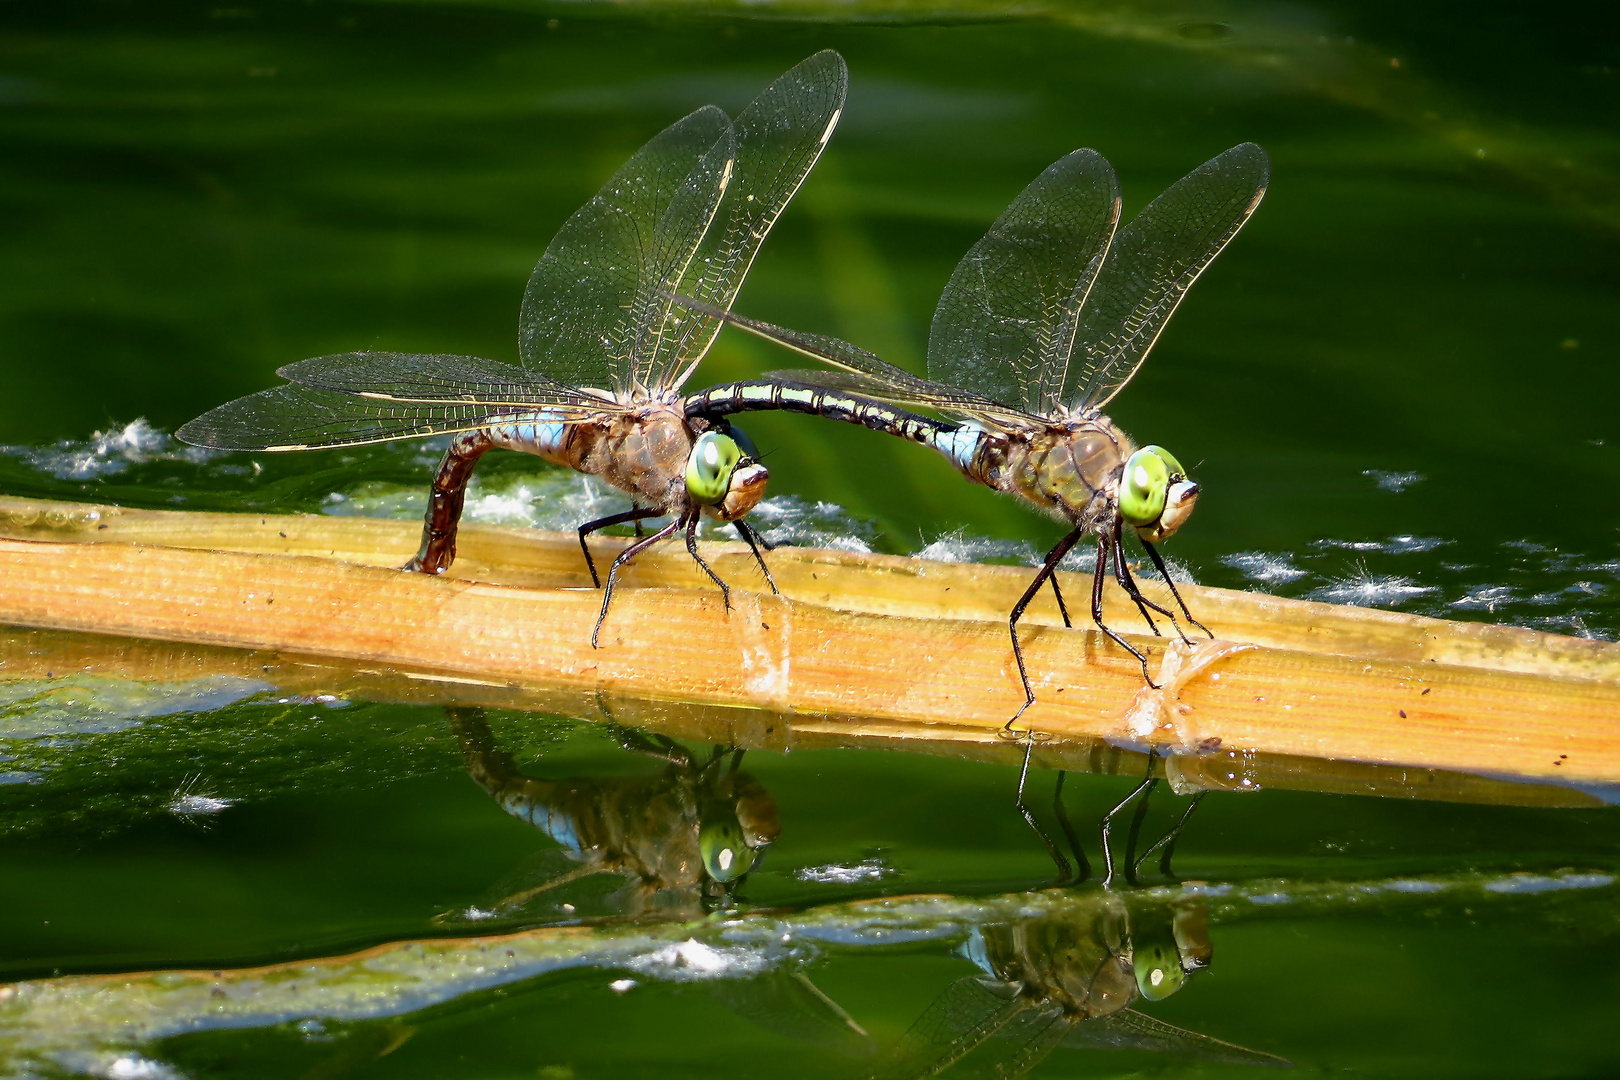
(543, 434)
(759, 396)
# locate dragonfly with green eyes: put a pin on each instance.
(1067, 980)
(603, 351)
(1043, 322)
(682, 840)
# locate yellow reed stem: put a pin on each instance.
(860, 643)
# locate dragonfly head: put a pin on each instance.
(732, 838)
(1166, 950)
(1154, 493)
(723, 474)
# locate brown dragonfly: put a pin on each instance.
(603, 351)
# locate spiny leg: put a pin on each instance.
(1096, 609)
(445, 499)
(1063, 608)
(755, 542)
(1146, 785)
(1053, 557)
(1062, 812)
(613, 573)
(635, 514)
(691, 545)
(1158, 564)
(1127, 581)
(1122, 574)
(1168, 840)
(1029, 818)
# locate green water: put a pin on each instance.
(1396, 387)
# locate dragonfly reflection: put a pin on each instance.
(682, 840)
(1067, 980)
(1043, 322)
(604, 352)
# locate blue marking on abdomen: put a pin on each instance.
(543, 433)
(555, 823)
(960, 444)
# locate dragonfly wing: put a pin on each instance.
(294, 417)
(872, 376)
(1131, 1030)
(1018, 1047)
(1153, 262)
(789, 1004)
(1005, 324)
(595, 308)
(412, 377)
(779, 137)
(965, 1014)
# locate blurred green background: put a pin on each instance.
(1397, 386)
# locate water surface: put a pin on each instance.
(1396, 387)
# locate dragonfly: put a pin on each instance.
(603, 352)
(1043, 322)
(1067, 980)
(682, 840)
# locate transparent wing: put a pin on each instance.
(413, 377)
(779, 137)
(595, 309)
(1018, 1047)
(1131, 1030)
(1005, 324)
(966, 1013)
(294, 417)
(870, 375)
(1153, 262)
(789, 1004)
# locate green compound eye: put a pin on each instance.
(720, 842)
(1142, 489)
(1176, 471)
(708, 470)
(1158, 971)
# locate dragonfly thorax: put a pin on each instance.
(1073, 471)
(1082, 965)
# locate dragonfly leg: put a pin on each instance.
(1158, 564)
(445, 499)
(755, 542)
(613, 572)
(1096, 609)
(1127, 581)
(636, 514)
(1053, 557)
(1167, 842)
(1147, 785)
(1063, 608)
(1134, 833)
(1082, 864)
(691, 545)
(1063, 868)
